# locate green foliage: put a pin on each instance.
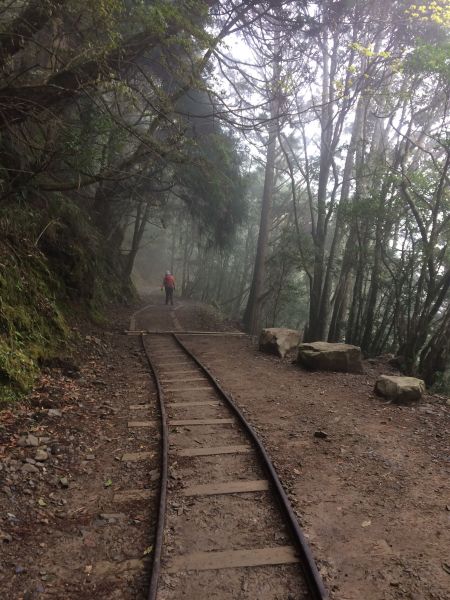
(31, 323)
(212, 186)
(430, 58)
(51, 264)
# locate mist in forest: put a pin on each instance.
(288, 161)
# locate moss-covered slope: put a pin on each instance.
(52, 265)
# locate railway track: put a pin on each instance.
(226, 529)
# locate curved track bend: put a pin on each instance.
(226, 529)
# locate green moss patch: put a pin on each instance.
(52, 267)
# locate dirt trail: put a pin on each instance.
(373, 496)
(68, 528)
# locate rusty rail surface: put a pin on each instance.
(162, 505)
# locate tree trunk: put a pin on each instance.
(253, 310)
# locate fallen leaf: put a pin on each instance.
(108, 483)
(148, 550)
(42, 502)
(366, 523)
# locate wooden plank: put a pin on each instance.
(196, 403)
(185, 363)
(210, 451)
(232, 559)
(230, 487)
(138, 406)
(141, 423)
(133, 495)
(177, 422)
(183, 372)
(197, 389)
(181, 332)
(136, 456)
(184, 380)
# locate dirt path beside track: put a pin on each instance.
(372, 493)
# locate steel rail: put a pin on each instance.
(309, 567)
(162, 505)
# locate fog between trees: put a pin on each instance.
(294, 156)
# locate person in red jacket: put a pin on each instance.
(169, 286)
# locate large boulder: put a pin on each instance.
(324, 356)
(400, 389)
(279, 340)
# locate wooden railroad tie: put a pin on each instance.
(229, 487)
(188, 390)
(195, 403)
(181, 332)
(232, 559)
(183, 380)
(177, 422)
(211, 451)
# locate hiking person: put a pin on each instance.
(169, 286)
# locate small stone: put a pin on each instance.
(321, 434)
(27, 468)
(41, 455)
(5, 537)
(54, 412)
(29, 440)
(112, 517)
(64, 482)
(20, 569)
(90, 457)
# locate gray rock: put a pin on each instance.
(41, 455)
(27, 468)
(54, 412)
(324, 356)
(112, 517)
(400, 389)
(279, 340)
(29, 440)
(64, 482)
